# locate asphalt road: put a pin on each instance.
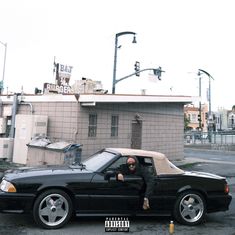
(216, 223)
(217, 162)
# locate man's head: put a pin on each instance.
(131, 163)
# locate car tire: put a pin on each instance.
(52, 209)
(190, 208)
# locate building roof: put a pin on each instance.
(92, 99)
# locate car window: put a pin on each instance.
(145, 161)
(120, 161)
(148, 163)
(98, 160)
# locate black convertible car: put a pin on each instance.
(54, 194)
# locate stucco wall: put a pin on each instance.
(63, 118)
(162, 128)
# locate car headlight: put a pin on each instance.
(7, 187)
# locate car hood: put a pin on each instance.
(203, 175)
(24, 172)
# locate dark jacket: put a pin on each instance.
(145, 172)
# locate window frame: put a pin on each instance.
(114, 125)
(92, 125)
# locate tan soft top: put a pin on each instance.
(161, 162)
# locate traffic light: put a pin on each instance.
(137, 68)
(37, 91)
(199, 118)
(206, 115)
(158, 72)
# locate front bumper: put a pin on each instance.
(16, 202)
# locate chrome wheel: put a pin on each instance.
(191, 208)
(52, 209)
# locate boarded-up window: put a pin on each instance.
(114, 125)
(92, 125)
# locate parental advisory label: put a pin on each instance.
(117, 224)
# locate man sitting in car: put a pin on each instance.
(132, 166)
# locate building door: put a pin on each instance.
(136, 135)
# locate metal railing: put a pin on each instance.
(214, 138)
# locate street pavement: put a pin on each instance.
(197, 156)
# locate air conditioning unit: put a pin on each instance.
(6, 148)
(27, 127)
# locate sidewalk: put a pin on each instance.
(212, 147)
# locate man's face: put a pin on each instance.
(131, 163)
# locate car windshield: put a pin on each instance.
(98, 160)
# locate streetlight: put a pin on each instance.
(115, 55)
(209, 98)
(4, 64)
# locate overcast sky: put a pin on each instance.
(181, 36)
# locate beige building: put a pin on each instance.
(193, 114)
(99, 120)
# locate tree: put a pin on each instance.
(186, 122)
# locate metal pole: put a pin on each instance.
(115, 56)
(209, 123)
(210, 116)
(200, 104)
(14, 112)
(142, 70)
(4, 65)
(115, 65)
(209, 96)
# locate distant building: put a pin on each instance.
(231, 119)
(193, 114)
(222, 119)
(225, 119)
(85, 86)
(222, 116)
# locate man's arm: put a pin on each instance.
(121, 171)
(149, 179)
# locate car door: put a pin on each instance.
(113, 196)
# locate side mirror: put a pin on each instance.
(109, 174)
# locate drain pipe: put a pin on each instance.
(30, 105)
(14, 112)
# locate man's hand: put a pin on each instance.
(120, 177)
(146, 204)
